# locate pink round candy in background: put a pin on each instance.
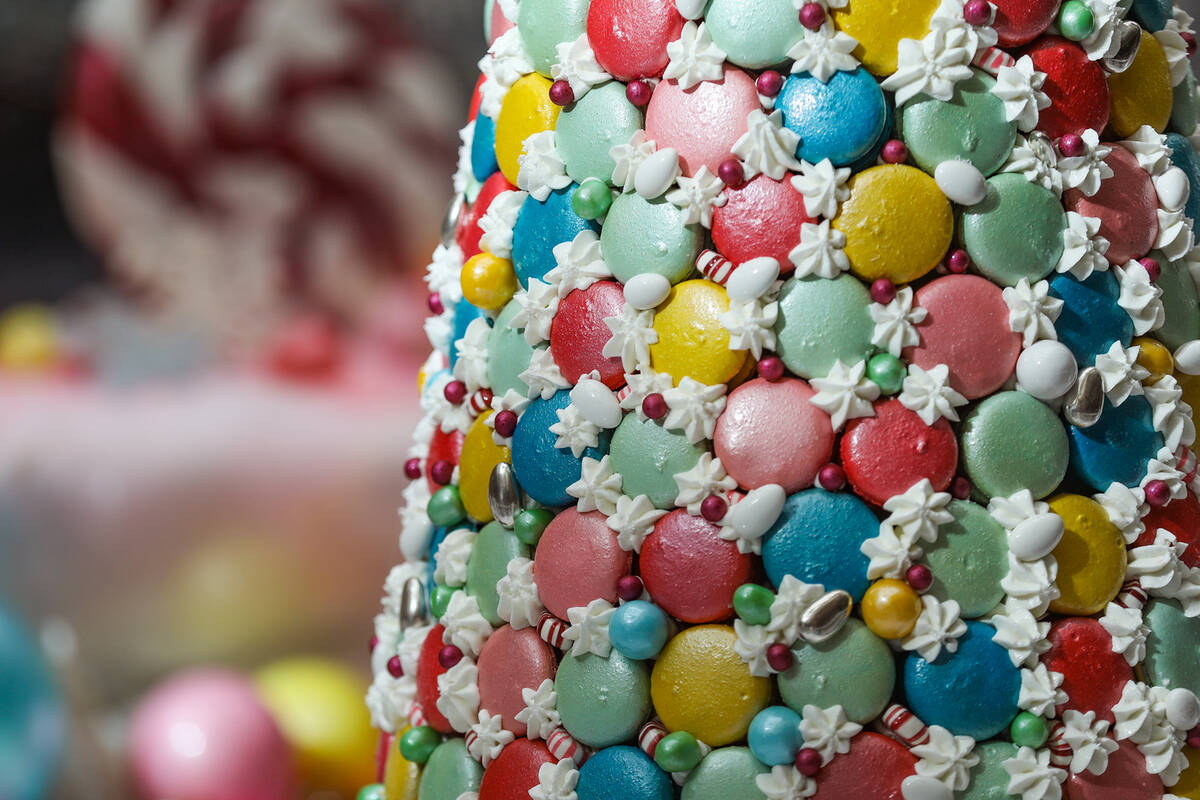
(510, 661)
(769, 432)
(1125, 779)
(578, 333)
(629, 37)
(578, 560)
(205, 735)
(1126, 205)
(704, 122)
(761, 218)
(967, 330)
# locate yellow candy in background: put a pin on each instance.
(701, 685)
(401, 777)
(28, 340)
(692, 342)
(1142, 94)
(488, 281)
(891, 608)
(897, 222)
(879, 25)
(526, 110)
(1091, 557)
(480, 455)
(319, 706)
(1155, 357)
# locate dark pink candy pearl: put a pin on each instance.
(1071, 145)
(506, 423)
(919, 577)
(441, 471)
(958, 261)
(1152, 267)
(412, 468)
(771, 368)
(638, 93)
(960, 488)
(372, 643)
(394, 667)
(1189, 39)
(883, 291)
(561, 93)
(455, 392)
(713, 508)
(730, 172)
(831, 477)
(770, 83)
(779, 656)
(977, 12)
(435, 304)
(895, 152)
(449, 655)
(1158, 493)
(812, 15)
(654, 406)
(808, 761)
(629, 588)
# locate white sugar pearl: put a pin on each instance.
(961, 181)
(597, 403)
(1183, 709)
(1036, 537)
(755, 513)
(1047, 369)
(1173, 189)
(656, 174)
(647, 290)
(752, 279)
(1187, 357)
(923, 787)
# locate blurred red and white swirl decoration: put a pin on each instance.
(235, 159)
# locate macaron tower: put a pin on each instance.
(809, 412)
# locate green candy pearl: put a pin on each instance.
(372, 791)
(418, 744)
(530, 523)
(1075, 21)
(753, 603)
(439, 601)
(887, 371)
(1029, 730)
(592, 199)
(678, 752)
(445, 507)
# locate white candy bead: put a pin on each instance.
(961, 181)
(1183, 709)
(752, 279)
(1173, 189)
(1047, 369)
(1036, 537)
(597, 403)
(923, 787)
(755, 513)
(656, 174)
(647, 290)
(1187, 357)
(691, 9)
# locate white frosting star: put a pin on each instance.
(465, 627)
(947, 758)
(452, 556)
(821, 251)
(443, 275)
(1128, 632)
(1121, 373)
(641, 384)
(1030, 584)
(589, 628)
(706, 478)
(1083, 247)
(1036, 159)
(1125, 507)
(698, 196)
(1031, 777)
(751, 325)
(792, 599)
(823, 186)
(498, 221)
(932, 65)
(845, 393)
(918, 512)
(472, 349)
(598, 488)
(577, 66)
(694, 57)
(938, 627)
(1140, 297)
(540, 714)
(1021, 633)
(632, 334)
(928, 392)
(1020, 87)
(578, 264)
(556, 781)
(1150, 148)
(538, 304)
(634, 521)
(824, 52)
(1041, 691)
(1032, 311)
(574, 431)
(1086, 170)
(543, 376)
(542, 170)
(896, 323)
(751, 646)
(490, 738)
(785, 782)
(767, 147)
(519, 603)
(1089, 741)
(694, 408)
(628, 157)
(1171, 416)
(458, 694)
(827, 730)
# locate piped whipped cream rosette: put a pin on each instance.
(842, 358)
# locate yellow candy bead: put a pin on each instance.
(1091, 557)
(692, 342)
(488, 281)
(879, 25)
(480, 455)
(1142, 94)
(526, 110)
(897, 223)
(890, 608)
(27, 339)
(701, 685)
(401, 777)
(318, 704)
(1155, 357)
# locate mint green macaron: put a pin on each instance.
(450, 772)
(822, 321)
(1016, 231)
(508, 354)
(969, 127)
(641, 236)
(724, 774)
(1171, 647)
(989, 779)
(1012, 441)
(969, 559)
(602, 701)
(754, 33)
(591, 126)
(494, 547)
(854, 669)
(647, 456)
(544, 24)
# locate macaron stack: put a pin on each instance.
(809, 412)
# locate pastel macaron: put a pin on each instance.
(969, 559)
(480, 455)
(647, 455)
(821, 321)
(1125, 778)
(1142, 94)
(629, 38)
(1018, 22)
(876, 766)
(540, 227)
(692, 341)
(602, 701)
(724, 773)
(1126, 205)
(577, 561)
(1091, 556)
(591, 126)
(886, 454)
(1081, 650)
(853, 669)
(817, 539)
(494, 547)
(971, 127)
(1170, 652)
(754, 33)
(514, 771)
(623, 771)
(543, 469)
(1012, 441)
(1076, 85)
(648, 236)
(702, 123)
(879, 25)
(545, 24)
(762, 218)
(526, 110)
(578, 334)
(1118, 448)
(1016, 231)
(512, 660)
(685, 552)
(1091, 319)
(450, 771)
(843, 119)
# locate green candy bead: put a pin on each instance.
(592, 199)
(372, 791)
(530, 523)
(418, 744)
(753, 603)
(439, 601)
(887, 372)
(678, 752)
(1075, 21)
(1029, 730)
(445, 507)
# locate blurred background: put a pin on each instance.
(214, 217)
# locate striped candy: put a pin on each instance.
(651, 734)
(1132, 596)
(905, 725)
(563, 746)
(552, 629)
(416, 715)
(1187, 464)
(991, 59)
(1060, 751)
(714, 266)
(481, 401)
